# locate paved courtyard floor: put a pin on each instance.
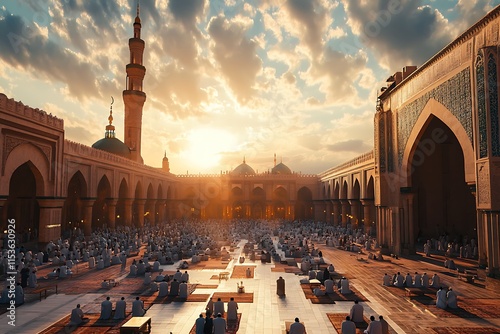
(268, 312)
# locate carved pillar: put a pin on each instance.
(367, 214)
(87, 206)
(346, 210)
(336, 212)
(127, 211)
(50, 219)
(111, 203)
(139, 204)
(328, 212)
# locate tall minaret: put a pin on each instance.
(133, 96)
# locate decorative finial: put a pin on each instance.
(244, 160)
(110, 128)
(138, 8)
(274, 159)
(165, 154)
(110, 118)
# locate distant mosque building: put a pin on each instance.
(434, 169)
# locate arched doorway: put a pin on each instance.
(258, 200)
(121, 216)
(443, 202)
(73, 209)
(238, 211)
(26, 183)
(279, 203)
(304, 208)
(100, 207)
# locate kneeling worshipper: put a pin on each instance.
(159, 278)
(344, 286)
(174, 288)
(121, 306)
(441, 300)
(425, 280)
(408, 280)
(77, 317)
(451, 297)
(387, 280)
(319, 292)
(185, 277)
(219, 307)
(232, 310)
(106, 309)
(220, 325)
(200, 324)
(183, 290)
(375, 327)
(399, 281)
(153, 287)
(418, 280)
(356, 312)
(19, 294)
(138, 308)
(329, 286)
(163, 289)
(133, 270)
(385, 325)
(348, 326)
(297, 327)
(147, 278)
(436, 282)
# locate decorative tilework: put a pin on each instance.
(481, 108)
(454, 94)
(493, 99)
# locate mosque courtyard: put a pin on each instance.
(262, 310)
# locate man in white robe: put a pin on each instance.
(183, 290)
(185, 277)
(375, 327)
(106, 309)
(356, 312)
(138, 308)
(441, 300)
(348, 326)
(344, 286)
(121, 306)
(232, 310)
(399, 282)
(220, 325)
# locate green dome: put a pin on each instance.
(113, 145)
(281, 168)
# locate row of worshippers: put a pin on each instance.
(177, 288)
(120, 309)
(446, 298)
(417, 281)
(356, 315)
(18, 294)
(209, 325)
(218, 307)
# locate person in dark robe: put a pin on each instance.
(209, 325)
(280, 287)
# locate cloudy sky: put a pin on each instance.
(225, 79)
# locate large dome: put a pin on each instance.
(244, 169)
(281, 168)
(113, 145)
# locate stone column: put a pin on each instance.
(111, 203)
(50, 219)
(87, 207)
(127, 214)
(140, 211)
(367, 214)
(355, 206)
(346, 209)
(336, 212)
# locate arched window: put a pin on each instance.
(481, 108)
(493, 104)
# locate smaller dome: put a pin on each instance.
(281, 168)
(113, 145)
(244, 169)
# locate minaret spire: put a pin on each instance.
(274, 159)
(110, 128)
(133, 95)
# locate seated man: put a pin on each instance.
(348, 326)
(356, 312)
(159, 278)
(174, 288)
(408, 281)
(441, 299)
(319, 292)
(297, 327)
(425, 280)
(163, 289)
(219, 307)
(121, 306)
(344, 286)
(418, 280)
(331, 268)
(77, 317)
(399, 281)
(156, 266)
(183, 290)
(133, 270)
(106, 309)
(387, 280)
(329, 286)
(153, 287)
(138, 308)
(375, 327)
(451, 297)
(185, 277)
(436, 282)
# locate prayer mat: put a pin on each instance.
(308, 292)
(336, 296)
(130, 285)
(337, 318)
(207, 286)
(94, 325)
(467, 308)
(241, 272)
(232, 325)
(210, 264)
(238, 297)
(468, 330)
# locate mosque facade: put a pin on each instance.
(434, 169)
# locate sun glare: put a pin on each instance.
(205, 148)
